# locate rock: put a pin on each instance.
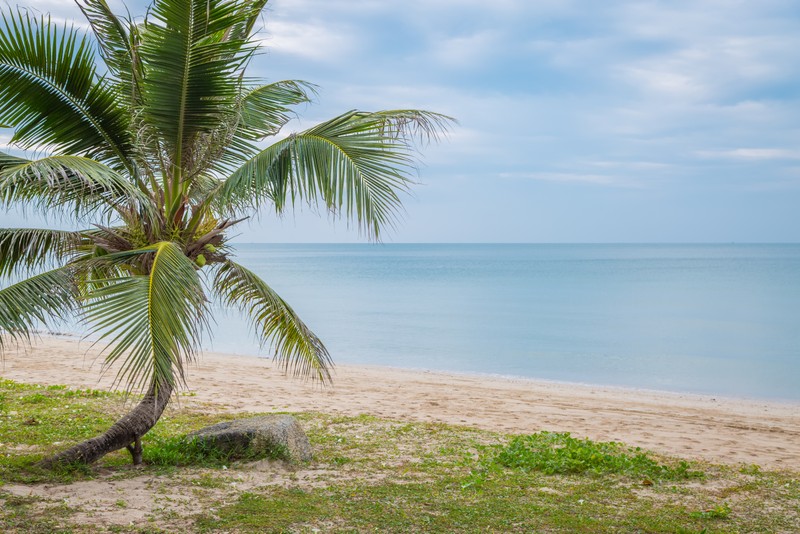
(269, 435)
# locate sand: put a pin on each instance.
(722, 430)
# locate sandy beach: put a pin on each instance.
(718, 429)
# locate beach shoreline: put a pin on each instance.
(708, 427)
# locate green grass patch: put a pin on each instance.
(372, 475)
(559, 453)
(721, 511)
(37, 421)
(180, 451)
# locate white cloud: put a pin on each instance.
(713, 68)
(705, 51)
(634, 165)
(466, 51)
(753, 154)
(666, 82)
(314, 41)
(576, 177)
(674, 97)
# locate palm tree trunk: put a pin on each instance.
(127, 432)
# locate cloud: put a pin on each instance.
(726, 68)
(576, 177)
(314, 41)
(466, 51)
(752, 154)
(708, 50)
(619, 99)
(666, 81)
(634, 165)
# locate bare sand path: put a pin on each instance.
(713, 428)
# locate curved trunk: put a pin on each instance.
(127, 432)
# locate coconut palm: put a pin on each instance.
(157, 156)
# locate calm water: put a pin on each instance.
(718, 319)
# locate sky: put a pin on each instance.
(579, 121)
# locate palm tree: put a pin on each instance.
(157, 156)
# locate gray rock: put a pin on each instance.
(270, 435)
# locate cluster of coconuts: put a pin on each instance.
(201, 259)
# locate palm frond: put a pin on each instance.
(74, 183)
(7, 161)
(266, 109)
(38, 301)
(357, 164)
(296, 348)
(117, 40)
(191, 85)
(151, 323)
(29, 249)
(251, 11)
(51, 94)
(263, 111)
(202, 186)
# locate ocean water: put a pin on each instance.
(714, 319)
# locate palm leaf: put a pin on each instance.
(77, 183)
(28, 249)
(7, 161)
(151, 323)
(263, 111)
(295, 345)
(357, 164)
(40, 300)
(251, 11)
(118, 41)
(266, 109)
(191, 86)
(51, 94)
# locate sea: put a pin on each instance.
(716, 319)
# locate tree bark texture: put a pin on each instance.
(127, 432)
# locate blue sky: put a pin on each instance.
(579, 121)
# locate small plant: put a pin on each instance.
(721, 511)
(181, 451)
(559, 453)
(210, 481)
(752, 469)
(34, 398)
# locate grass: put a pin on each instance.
(180, 451)
(369, 474)
(559, 453)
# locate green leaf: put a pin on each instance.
(28, 249)
(266, 109)
(356, 164)
(152, 324)
(79, 184)
(38, 301)
(51, 94)
(118, 40)
(263, 111)
(296, 348)
(250, 11)
(163, 144)
(191, 85)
